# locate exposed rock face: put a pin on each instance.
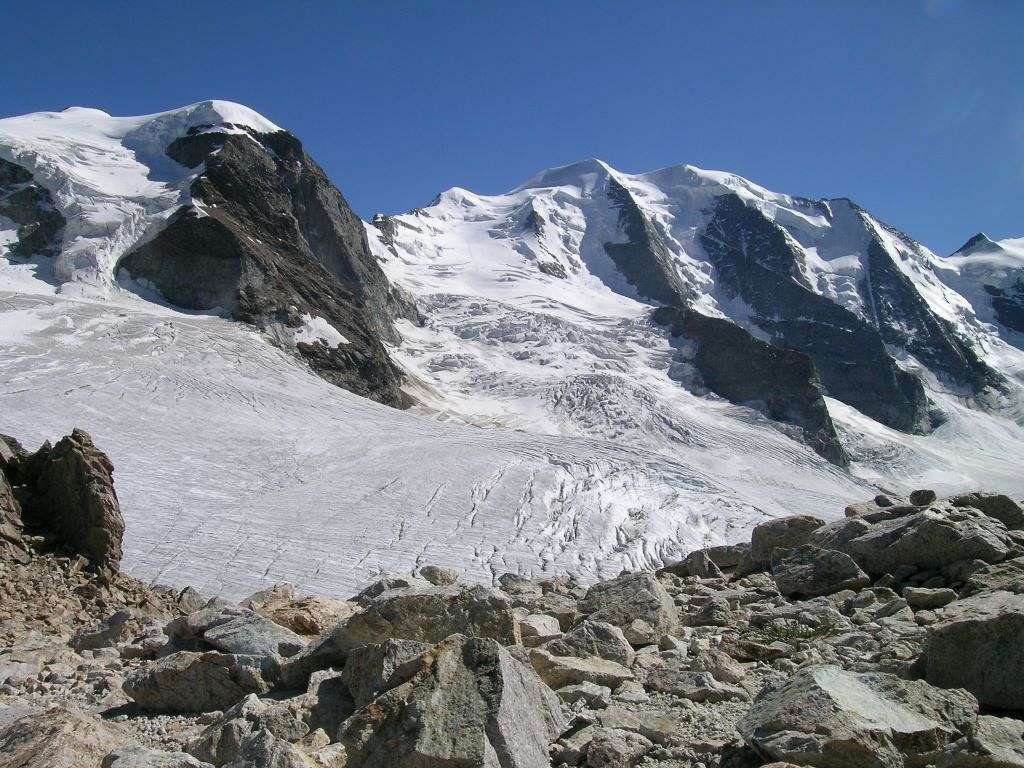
(270, 240)
(67, 492)
(976, 645)
(998, 505)
(783, 532)
(593, 638)
(781, 383)
(831, 718)
(467, 702)
(30, 207)
(369, 669)
(756, 260)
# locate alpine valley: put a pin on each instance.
(597, 370)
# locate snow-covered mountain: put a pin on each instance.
(605, 369)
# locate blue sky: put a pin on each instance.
(913, 108)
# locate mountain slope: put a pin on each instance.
(779, 305)
(608, 369)
(214, 208)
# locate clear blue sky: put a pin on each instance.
(914, 108)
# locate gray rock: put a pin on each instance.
(261, 749)
(658, 726)
(976, 644)
(922, 497)
(112, 630)
(369, 668)
(538, 628)
(143, 757)
(58, 737)
(198, 682)
(783, 532)
(1004, 509)
(920, 598)
(698, 564)
(221, 741)
(593, 638)
(929, 539)
(628, 599)
(559, 671)
(998, 742)
(1007, 576)
(467, 703)
(807, 571)
(253, 635)
(615, 748)
(592, 695)
(424, 614)
(830, 718)
(701, 687)
(438, 576)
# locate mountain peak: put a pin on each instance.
(980, 242)
(583, 174)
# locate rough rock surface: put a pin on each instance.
(636, 603)
(831, 718)
(976, 644)
(197, 682)
(808, 571)
(467, 702)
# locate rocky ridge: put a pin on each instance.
(889, 637)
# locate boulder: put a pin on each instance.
(368, 669)
(424, 614)
(143, 757)
(616, 748)
(976, 644)
(590, 694)
(698, 564)
(930, 539)
(262, 749)
(538, 628)
(593, 638)
(198, 682)
(12, 543)
(783, 532)
(922, 497)
(438, 576)
(998, 742)
(922, 599)
(112, 630)
(464, 702)
(807, 571)
(685, 683)
(253, 635)
(997, 505)
(58, 737)
(1007, 576)
(73, 500)
(559, 671)
(826, 717)
(221, 742)
(311, 615)
(659, 726)
(636, 603)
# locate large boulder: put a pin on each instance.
(1000, 506)
(58, 738)
(998, 742)
(781, 533)
(977, 644)
(424, 614)
(369, 669)
(72, 498)
(557, 671)
(636, 603)
(593, 638)
(807, 571)
(138, 756)
(830, 718)
(253, 635)
(199, 682)
(221, 741)
(12, 542)
(930, 539)
(1007, 576)
(465, 702)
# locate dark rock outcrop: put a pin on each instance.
(29, 205)
(66, 492)
(269, 239)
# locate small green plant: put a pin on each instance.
(792, 632)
